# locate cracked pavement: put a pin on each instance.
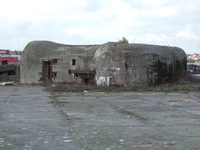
(31, 118)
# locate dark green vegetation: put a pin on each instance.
(166, 73)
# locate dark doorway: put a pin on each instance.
(86, 81)
(46, 70)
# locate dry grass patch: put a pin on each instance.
(71, 87)
(192, 84)
(107, 89)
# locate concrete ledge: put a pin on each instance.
(9, 78)
(14, 78)
(3, 77)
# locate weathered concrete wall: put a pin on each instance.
(36, 51)
(114, 63)
(137, 64)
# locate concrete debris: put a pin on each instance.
(143, 144)
(6, 83)
(182, 81)
(159, 90)
(167, 143)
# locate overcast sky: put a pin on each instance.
(160, 22)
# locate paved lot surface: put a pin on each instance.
(29, 122)
(32, 119)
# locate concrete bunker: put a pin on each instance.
(106, 64)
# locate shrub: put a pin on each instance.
(123, 40)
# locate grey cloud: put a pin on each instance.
(100, 24)
(94, 5)
(136, 4)
(22, 25)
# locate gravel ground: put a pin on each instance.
(32, 119)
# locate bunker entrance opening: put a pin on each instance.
(84, 75)
(47, 70)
